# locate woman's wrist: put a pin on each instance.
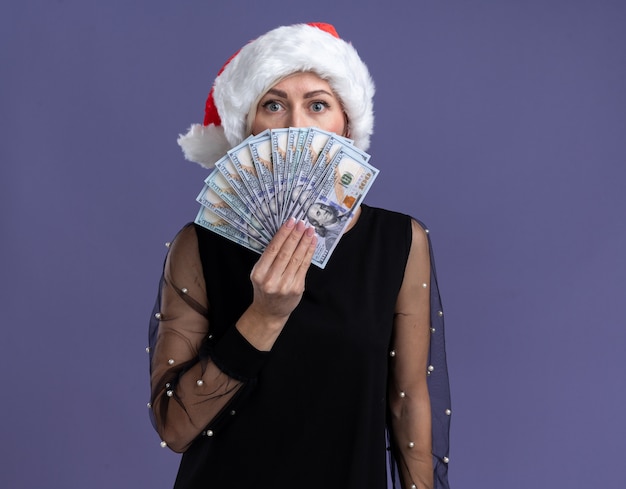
(260, 330)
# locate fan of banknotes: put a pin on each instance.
(305, 173)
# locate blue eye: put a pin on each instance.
(272, 106)
(318, 106)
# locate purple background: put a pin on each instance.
(501, 124)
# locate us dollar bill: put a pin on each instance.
(226, 167)
(320, 148)
(261, 151)
(209, 220)
(223, 189)
(330, 208)
(279, 141)
(248, 224)
(241, 158)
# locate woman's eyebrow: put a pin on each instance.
(278, 93)
(311, 94)
(315, 93)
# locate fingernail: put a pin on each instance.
(301, 225)
(290, 223)
(310, 231)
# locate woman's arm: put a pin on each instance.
(188, 389)
(408, 390)
(278, 282)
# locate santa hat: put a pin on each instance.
(262, 63)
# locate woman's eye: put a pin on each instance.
(318, 106)
(272, 106)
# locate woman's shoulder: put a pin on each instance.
(394, 225)
(193, 238)
(391, 217)
(185, 236)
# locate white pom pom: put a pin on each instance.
(204, 144)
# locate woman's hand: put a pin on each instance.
(278, 281)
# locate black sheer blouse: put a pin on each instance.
(340, 400)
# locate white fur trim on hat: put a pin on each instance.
(265, 61)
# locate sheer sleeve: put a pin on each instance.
(188, 390)
(418, 385)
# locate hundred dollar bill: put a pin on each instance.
(292, 142)
(226, 167)
(261, 150)
(211, 200)
(332, 206)
(319, 171)
(222, 188)
(303, 137)
(209, 220)
(300, 143)
(315, 144)
(279, 155)
(349, 175)
(241, 158)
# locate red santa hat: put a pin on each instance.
(262, 63)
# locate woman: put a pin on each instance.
(269, 373)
